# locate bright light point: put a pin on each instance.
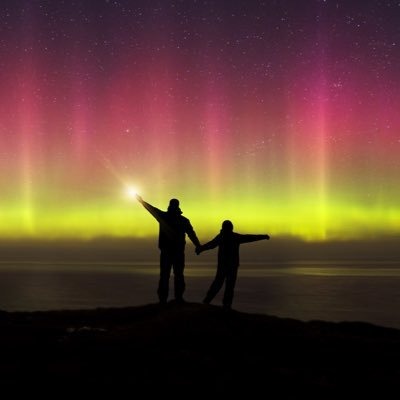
(131, 192)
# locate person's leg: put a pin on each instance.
(165, 272)
(215, 286)
(179, 277)
(229, 287)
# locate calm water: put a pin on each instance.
(306, 291)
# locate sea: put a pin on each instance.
(345, 291)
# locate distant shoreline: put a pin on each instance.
(279, 249)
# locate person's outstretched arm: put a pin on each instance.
(212, 244)
(252, 238)
(154, 211)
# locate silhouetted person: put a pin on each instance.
(228, 243)
(171, 242)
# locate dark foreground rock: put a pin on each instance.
(194, 351)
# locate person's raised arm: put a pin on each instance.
(139, 198)
(155, 212)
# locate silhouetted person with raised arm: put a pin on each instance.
(228, 243)
(171, 242)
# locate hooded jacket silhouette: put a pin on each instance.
(228, 243)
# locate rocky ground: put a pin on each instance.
(194, 351)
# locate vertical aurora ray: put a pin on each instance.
(321, 150)
(217, 143)
(26, 162)
(321, 166)
(27, 127)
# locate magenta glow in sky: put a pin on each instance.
(280, 115)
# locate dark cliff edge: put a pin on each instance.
(194, 351)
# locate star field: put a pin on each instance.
(280, 115)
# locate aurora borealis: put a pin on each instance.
(282, 116)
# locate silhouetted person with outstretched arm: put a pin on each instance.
(171, 242)
(228, 243)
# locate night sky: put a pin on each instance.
(283, 116)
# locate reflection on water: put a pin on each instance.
(345, 291)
